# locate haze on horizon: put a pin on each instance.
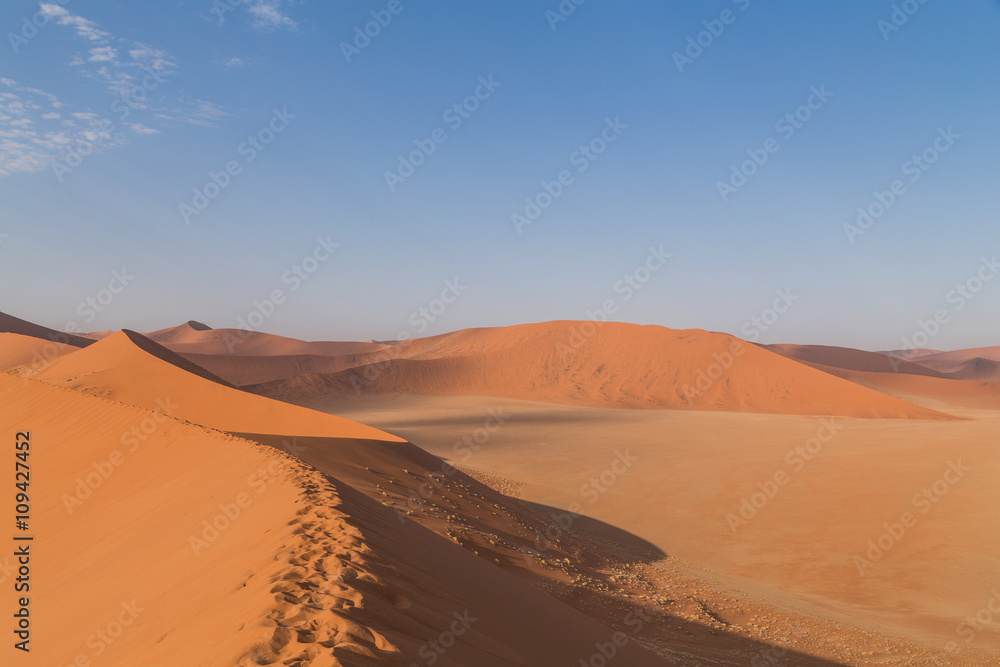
(296, 132)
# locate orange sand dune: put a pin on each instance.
(17, 349)
(932, 392)
(254, 369)
(130, 368)
(11, 324)
(610, 365)
(980, 363)
(908, 354)
(179, 334)
(194, 547)
(851, 359)
(189, 338)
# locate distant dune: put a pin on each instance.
(981, 363)
(851, 359)
(129, 367)
(186, 339)
(11, 324)
(616, 365)
(17, 350)
(179, 334)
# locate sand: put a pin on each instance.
(556, 484)
(612, 365)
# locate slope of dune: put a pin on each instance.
(908, 354)
(200, 548)
(188, 339)
(253, 369)
(179, 333)
(851, 359)
(980, 363)
(11, 324)
(128, 367)
(933, 392)
(610, 365)
(17, 349)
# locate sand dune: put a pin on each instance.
(932, 392)
(178, 334)
(851, 359)
(612, 365)
(198, 547)
(190, 338)
(254, 369)
(128, 367)
(11, 324)
(982, 363)
(17, 349)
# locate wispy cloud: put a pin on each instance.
(267, 15)
(37, 129)
(32, 134)
(83, 27)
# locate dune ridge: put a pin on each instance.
(616, 365)
(127, 366)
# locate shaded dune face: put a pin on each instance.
(611, 365)
(11, 324)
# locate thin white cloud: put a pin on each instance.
(103, 54)
(267, 15)
(36, 131)
(31, 136)
(234, 62)
(142, 129)
(83, 27)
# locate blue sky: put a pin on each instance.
(163, 95)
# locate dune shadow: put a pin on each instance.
(595, 529)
